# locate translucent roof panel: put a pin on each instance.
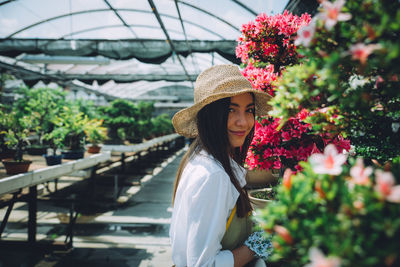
(171, 43)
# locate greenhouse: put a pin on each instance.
(200, 133)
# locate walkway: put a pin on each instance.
(132, 231)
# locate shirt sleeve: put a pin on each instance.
(209, 203)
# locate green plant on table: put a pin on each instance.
(56, 138)
(95, 132)
(16, 136)
(73, 124)
(44, 103)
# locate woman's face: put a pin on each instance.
(240, 118)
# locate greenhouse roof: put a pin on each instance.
(122, 48)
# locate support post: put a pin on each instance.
(32, 203)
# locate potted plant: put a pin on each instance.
(5, 124)
(17, 138)
(44, 103)
(55, 139)
(95, 135)
(73, 124)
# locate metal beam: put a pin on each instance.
(123, 78)
(184, 33)
(101, 10)
(210, 14)
(120, 18)
(171, 44)
(245, 7)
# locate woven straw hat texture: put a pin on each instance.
(215, 83)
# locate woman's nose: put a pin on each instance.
(241, 119)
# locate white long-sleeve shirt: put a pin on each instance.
(203, 202)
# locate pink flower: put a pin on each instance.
(385, 186)
(284, 233)
(331, 13)
(328, 163)
(318, 259)
(359, 174)
(287, 178)
(305, 34)
(361, 51)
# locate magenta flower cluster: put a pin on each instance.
(265, 48)
(272, 148)
(270, 40)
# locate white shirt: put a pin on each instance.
(204, 200)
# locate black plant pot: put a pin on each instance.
(73, 154)
(53, 160)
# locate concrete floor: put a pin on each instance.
(131, 230)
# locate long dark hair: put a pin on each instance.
(213, 138)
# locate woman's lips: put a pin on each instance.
(238, 133)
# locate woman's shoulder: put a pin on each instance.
(203, 167)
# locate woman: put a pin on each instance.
(210, 223)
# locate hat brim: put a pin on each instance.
(184, 121)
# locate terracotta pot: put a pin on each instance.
(262, 177)
(15, 167)
(259, 203)
(93, 149)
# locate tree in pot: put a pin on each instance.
(55, 139)
(73, 123)
(44, 103)
(17, 138)
(5, 124)
(95, 135)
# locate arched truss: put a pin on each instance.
(168, 72)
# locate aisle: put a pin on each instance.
(134, 233)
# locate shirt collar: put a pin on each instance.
(240, 172)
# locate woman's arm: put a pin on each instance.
(242, 255)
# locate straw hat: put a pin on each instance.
(215, 83)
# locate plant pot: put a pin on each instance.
(257, 177)
(37, 150)
(73, 154)
(15, 167)
(94, 149)
(259, 203)
(53, 159)
(7, 154)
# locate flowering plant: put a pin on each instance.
(350, 67)
(266, 48)
(334, 213)
(273, 148)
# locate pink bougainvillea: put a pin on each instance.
(270, 40)
(261, 78)
(272, 148)
(265, 48)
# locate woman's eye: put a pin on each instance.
(251, 110)
(231, 110)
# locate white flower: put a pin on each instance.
(385, 186)
(328, 163)
(305, 34)
(331, 13)
(318, 259)
(359, 174)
